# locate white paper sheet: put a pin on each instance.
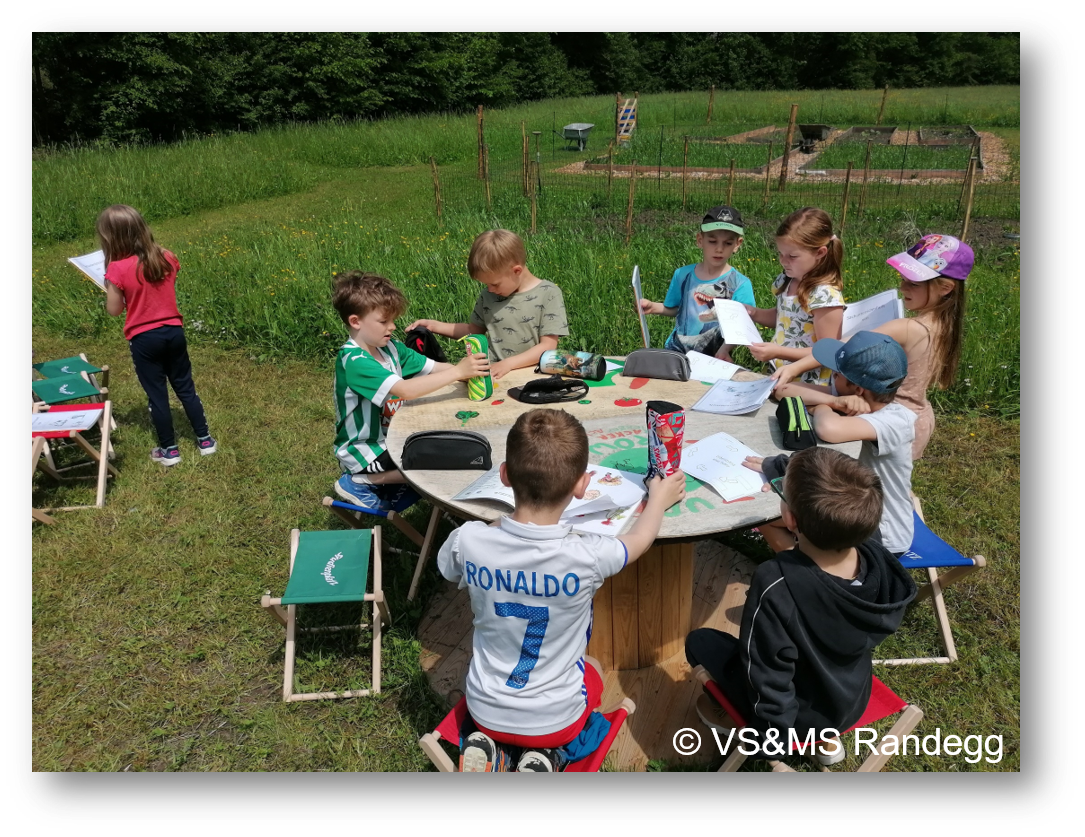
(92, 265)
(639, 296)
(734, 398)
(710, 369)
(717, 461)
(867, 314)
(608, 489)
(735, 323)
(609, 523)
(78, 420)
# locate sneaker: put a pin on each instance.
(713, 715)
(829, 756)
(167, 456)
(207, 445)
(482, 755)
(357, 492)
(540, 761)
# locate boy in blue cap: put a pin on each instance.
(867, 372)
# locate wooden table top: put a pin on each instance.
(617, 438)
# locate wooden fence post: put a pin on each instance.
(524, 155)
(731, 184)
(486, 175)
(617, 115)
(787, 147)
(881, 110)
(866, 176)
(768, 165)
(436, 190)
(972, 163)
(685, 173)
(904, 157)
(629, 209)
(610, 170)
(534, 209)
(844, 202)
(711, 97)
(481, 143)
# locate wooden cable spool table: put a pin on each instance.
(641, 615)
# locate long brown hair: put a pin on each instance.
(947, 317)
(123, 233)
(811, 228)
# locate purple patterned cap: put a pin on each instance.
(933, 256)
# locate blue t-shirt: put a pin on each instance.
(691, 333)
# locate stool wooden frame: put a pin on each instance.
(42, 457)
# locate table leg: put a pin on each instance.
(642, 615)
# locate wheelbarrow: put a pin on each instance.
(812, 134)
(576, 132)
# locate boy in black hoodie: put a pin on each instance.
(814, 613)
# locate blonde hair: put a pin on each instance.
(546, 452)
(946, 316)
(358, 292)
(811, 229)
(123, 233)
(495, 250)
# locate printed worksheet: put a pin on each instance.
(608, 489)
(609, 523)
(867, 314)
(92, 265)
(734, 398)
(735, 323)
(710, 369)
(717, 461)
(78, 420)
(639, 295)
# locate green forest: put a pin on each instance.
(135, 87)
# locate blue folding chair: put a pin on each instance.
(929, 552)
(354, 516)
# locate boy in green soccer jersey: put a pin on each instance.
(373, 374)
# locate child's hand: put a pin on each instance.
(500, 369)
(764, 351)
(724, 353)
(784, 375)
(754, 464)
(432, 325)
(473, 366)
(851, 405)
(668, 490)
(647, 306)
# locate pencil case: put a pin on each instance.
(665, 364)
(795, 424)
(586, 365)
(446, 450)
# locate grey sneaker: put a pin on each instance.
(166, 456)
(540, 761)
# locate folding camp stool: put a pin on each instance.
(64, 389)
(883, 703)
(43, 458)
(449, 730)
(328, 568)
(930, 552)
(353, 516)
(37, 446)
(73, 366)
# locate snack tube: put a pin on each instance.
(586, 365)
(666, 426)
(481, 387)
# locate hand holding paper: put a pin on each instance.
(735, 323)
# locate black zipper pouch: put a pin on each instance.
(549, 390)
(422, 340)
(795, 424)
(666, 364)
(446, 450)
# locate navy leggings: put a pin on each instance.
(159, 355)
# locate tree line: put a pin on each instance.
(145, 87)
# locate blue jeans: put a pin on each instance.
(161, 355)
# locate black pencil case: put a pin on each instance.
(795, 424)
(666, 364)
(446, 450)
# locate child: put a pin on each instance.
(139, 282)
(521, 315)
(932, 338)
(373, 374)
(809, 293)
(869, 369)
(802, 660)
(693, 287)
(528, 685)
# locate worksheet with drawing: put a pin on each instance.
(92, 265)
(735, 323)
(867, 314)
(717, 461)
(734, 398)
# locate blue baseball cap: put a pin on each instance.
(869, 360)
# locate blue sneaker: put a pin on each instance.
(206, 445)
(166, 456)
(356, 489)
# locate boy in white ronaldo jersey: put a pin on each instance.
(373, 374)
(531, 582)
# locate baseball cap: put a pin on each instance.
(869, 360)
(722, 218)
(932, 256)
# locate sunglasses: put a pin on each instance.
(777, 485)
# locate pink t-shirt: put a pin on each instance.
(149, 305)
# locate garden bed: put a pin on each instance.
(882, 135)
(947, 135)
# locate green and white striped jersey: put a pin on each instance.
(363, 405)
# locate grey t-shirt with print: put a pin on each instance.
(891, 458)
(517, 323)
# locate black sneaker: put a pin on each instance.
(540, 761)
(479, 754)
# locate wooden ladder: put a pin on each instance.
(627, 120)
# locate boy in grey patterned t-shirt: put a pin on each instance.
(521, 314)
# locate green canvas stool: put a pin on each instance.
(65, 388)
(73, 366)
(327, 568)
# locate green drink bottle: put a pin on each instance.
(483, 386)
